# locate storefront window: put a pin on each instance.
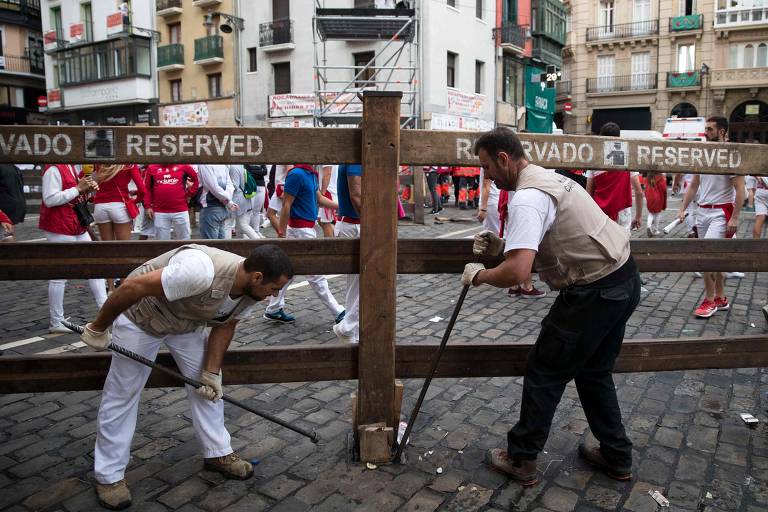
(512, 87)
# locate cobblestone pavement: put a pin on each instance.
(690, 443)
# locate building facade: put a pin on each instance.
(22, 70)
(638, 62)
(99, 62)
(199, 74)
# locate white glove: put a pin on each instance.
(97, 339)
(488, 242)
(470, 271)
(211, 388)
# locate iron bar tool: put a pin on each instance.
(433, 369)
(195, 384)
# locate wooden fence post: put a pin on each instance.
(378, 273)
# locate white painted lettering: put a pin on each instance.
(42, 144)
(696, 154)
(643, 155)
(57, 141)
(186, 145)
(722, 158)
(540, 151)
(656, 155)
(203, 143)
(133, 145)
(735, 159)
(671, 157)
(586, 153)
(220, 147)
(169, 145)
(249, 146)
(709, 154)
(682, 156)
(6, 146)
(236, 144)
(554, 152)
(463, 149)
(527, 148)
(152, 145)
(23, 145)
(569, 152)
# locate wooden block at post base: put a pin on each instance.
(397, 406)
(376, 440)
(353, 396)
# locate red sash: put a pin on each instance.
(656, 194)
(503, 210)
(612, 192)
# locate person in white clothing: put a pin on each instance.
(761, 205)
(720, 200)
(63, 188)
(175, 299)
(326, 217)
(276, 199)
(241, 216)
(488, 212)
(349, 186)
(680, 184)
(216, 200)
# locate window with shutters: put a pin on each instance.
(282, 72)
(452, 62)
(252, 60)
(175, 86)
(214, 85)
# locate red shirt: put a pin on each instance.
(167, 189)
(115, 190)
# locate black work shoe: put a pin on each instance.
(523, 471)
(593, 455)
(115, 496)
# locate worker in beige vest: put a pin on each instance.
(174, 299)
(556, 228)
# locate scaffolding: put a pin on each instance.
(394, 65)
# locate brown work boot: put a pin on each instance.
(523, 471)
(114, 496)
(592, 454)
(231, 466)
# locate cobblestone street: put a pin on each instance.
(689, 441)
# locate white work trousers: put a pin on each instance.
(119, 407)
(318, 283)
(56, 286)
(241, 223)
(350, 326)
(179, 221)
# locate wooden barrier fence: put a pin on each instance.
(378, 256)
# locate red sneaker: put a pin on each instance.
(706, 310)
(533, 293)
(722, 303)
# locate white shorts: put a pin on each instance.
(750, 182)
(275, 203)
(711, 223)
(111, 212)
(761, 202)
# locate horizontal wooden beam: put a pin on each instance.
(81, 260)
(79, 372)
(145, 145)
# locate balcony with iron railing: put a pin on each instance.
(511, 35)
(685, 79)
(636, 30)
(209, 50)
(169, 7)
(170, 56)
(741, 17)
(683, 23)
(627, 83)
(276, 35)
(563, 88)
(26, 7)
(22, 64)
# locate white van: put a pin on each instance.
(685, 128)
(640, 135)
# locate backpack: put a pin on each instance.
(249, 185)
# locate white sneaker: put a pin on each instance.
(738, 275)
(58, 329)
(344, 338)
(265, 224)
(697, 274)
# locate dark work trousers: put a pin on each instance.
(580, 338)
(432, 179)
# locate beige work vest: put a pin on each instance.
(583, 244)
(158, 316)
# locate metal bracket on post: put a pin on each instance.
(378, 274)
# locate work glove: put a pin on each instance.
(488, 242)
(211, 388)
(97, 339)
(470, 271)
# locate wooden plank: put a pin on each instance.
(79, 372)
(425, 147)
(146, 145)
(82, 260)
(418, 194)
(378, 257)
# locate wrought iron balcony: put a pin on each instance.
(22, 64)
(170, 56)
(276, 32)
(626, 83)
(623, 31)
(169, 7)
(513, 35)
(743, 16)
(689, 79)
(209, 50)
(27, 7)
(690, 22)
(563, 87)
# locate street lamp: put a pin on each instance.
(704, 71)
(232, 24)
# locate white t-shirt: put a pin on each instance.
(493, 193)
(334, 178)
(189, 273)
(280, 172)
(530, 215)
(716, 189)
